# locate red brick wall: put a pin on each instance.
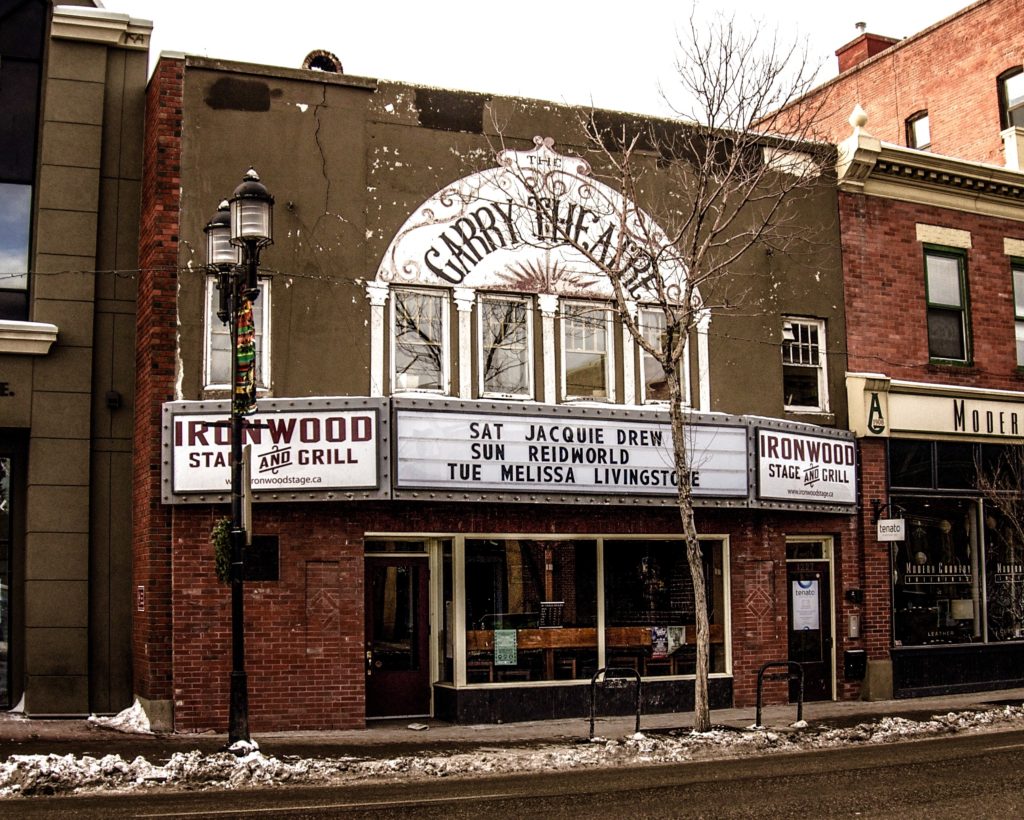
(886, 313)
(875, 570)
(155, 357)
(950, 70)
(304, 633)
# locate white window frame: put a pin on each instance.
(684, 362)
(215, 326)
(446, 342)
(1017, 278)
(609, 367)
(527, 303)
(794, 322)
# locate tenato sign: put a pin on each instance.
(507, 453)
(302, 450)
(811, 469)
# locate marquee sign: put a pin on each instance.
(539, 454)
(807, 468)
(538, 223)
(310, 451)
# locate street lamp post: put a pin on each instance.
(240, 229)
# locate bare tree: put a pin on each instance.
(690, 198)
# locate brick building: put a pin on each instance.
(956, 88)
(71, 105)
(931, 218)
(435, 533)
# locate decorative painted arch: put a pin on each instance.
(536, 223)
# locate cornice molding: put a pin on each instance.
(868, 166)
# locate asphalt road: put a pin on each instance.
(975, 776)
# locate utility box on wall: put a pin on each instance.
(855, 664)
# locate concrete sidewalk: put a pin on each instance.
(387, 739)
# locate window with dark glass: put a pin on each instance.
(910, 463)
(1011, 98)
(948, 325)
(531, 610)
(937, 596)
(650, 611)
(23, 25)
(919, 134)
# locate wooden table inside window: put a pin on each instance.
(617, 638)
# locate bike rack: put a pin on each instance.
(617, 681)
(787, 676)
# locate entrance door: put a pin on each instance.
(397, 637)
(810, 627)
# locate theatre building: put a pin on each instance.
(463, 504)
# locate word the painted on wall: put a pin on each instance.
(5, 389)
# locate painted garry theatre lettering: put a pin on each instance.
(538, 222)
(533, 454)
(300, 450)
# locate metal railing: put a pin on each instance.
(787, 676)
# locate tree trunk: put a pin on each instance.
(683, 459)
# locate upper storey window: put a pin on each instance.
(919, 132)
(419, 320)
(948, 320)
(586, 351)
(506, 349)
(22, 37)
(1011, 98)
(655, 382)
(803, 365)
(217, 373)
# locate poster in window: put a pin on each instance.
(505, 650)
(805, 606)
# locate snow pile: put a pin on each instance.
(247, 767)
(133, 720)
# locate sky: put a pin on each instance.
(609, 54)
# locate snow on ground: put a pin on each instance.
(132, 720)
(55, 774)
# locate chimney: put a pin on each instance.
(862, 47)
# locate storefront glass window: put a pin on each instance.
(1004, 575)
(650, 615)
(531, 610)
(937, 590)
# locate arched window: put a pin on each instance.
(1011, 97)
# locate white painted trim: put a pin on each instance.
(548, 304)
(27, 338)
(464, 298)
(377, 293)
(446, 343)
(263, 375)
(828, 555)
(703, 361)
